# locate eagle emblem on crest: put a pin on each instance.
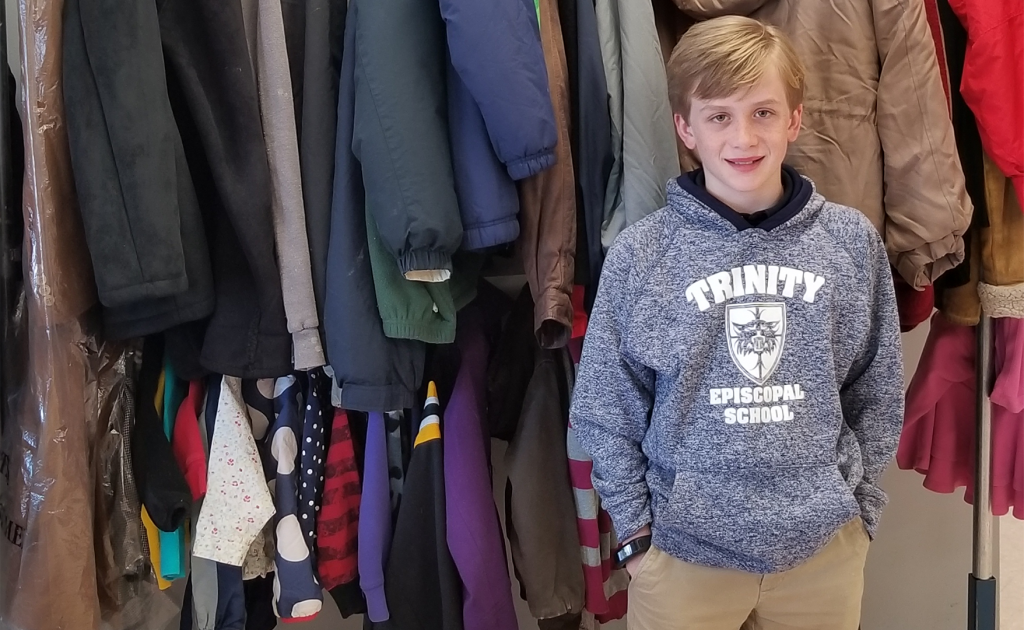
(756, 337)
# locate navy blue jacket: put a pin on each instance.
(375, 373)
(502, 125)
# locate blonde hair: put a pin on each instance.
(724, 55)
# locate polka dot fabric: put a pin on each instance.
(313, 454)
(297, 593)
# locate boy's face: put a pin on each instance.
(741, 141)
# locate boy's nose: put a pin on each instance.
(745, 136)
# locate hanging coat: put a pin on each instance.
(142, 221)
(421, 582)
(993, 83)
(216, 107)
(643, 137)
(376, 373)
(502, 126)
(528, 406)
(473, 530)
(548, 199)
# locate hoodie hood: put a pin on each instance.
(705, 213)
(707, 9)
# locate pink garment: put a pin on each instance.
(606, 587)
(938, 431)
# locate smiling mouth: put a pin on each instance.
(746, 161)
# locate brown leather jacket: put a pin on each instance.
(548, 205)
(876, 132)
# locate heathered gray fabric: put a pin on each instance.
(648, 408)
(264, 25)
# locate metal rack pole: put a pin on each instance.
(981, 604)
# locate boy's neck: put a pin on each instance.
(747, 202)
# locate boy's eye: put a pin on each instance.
(763, 113)
(719, 118)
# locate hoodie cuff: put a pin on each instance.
(376, 604)
(531, 164)
(871, 499)
(424, 265)
(627, 525)
(308, 352)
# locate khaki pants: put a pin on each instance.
(823, 593)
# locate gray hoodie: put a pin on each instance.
(741, 390)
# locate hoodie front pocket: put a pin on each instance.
(764, 517)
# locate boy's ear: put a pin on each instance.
(685, 131)
(795, 119)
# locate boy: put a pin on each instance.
(741, 386)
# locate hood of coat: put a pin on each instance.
(707, 9)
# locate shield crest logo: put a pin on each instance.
(757, 336)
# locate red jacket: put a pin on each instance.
(993, 83)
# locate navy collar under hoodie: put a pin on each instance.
(740, 390)
(796, 192)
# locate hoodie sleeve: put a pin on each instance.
(872, 393)
(495, 47)
(926, 204)
(612, 402)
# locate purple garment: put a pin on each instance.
(474, 533)
(375, 520)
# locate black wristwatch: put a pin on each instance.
(634, 547)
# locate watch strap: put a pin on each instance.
(634, 547)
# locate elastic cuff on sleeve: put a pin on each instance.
(424, 265)
(531, 165)
(308, 352)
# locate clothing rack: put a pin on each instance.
(981, 593)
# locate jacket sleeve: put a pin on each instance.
(375, 373)
(374, 530)
(277, 111)
(121, 136)
(872, 393)
(926, 204)
(548, 207)
(612, 402)
(401, 134)
(216, 106)
(495, 48)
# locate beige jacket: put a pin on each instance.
(876, 129)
